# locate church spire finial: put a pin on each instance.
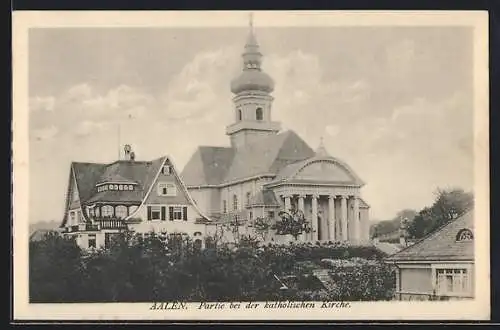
(321, 151)
(251, 21)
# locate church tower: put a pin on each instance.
(252, 98)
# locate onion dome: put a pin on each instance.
(252, 78)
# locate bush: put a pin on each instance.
(143, 270)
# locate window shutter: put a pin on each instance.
(185, 213)
(149, 212)
(170, 213)
(163, 215)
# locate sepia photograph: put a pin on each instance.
(250, 164)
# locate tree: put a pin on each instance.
(291, 223)
(448, 206)
(262, 226)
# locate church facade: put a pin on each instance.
(266, 170)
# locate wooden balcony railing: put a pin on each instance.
(110, 223)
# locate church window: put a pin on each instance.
(121, 212)
(270, 214)
(239, 114)
(107, 211)
(248, 198)
(258, 114)
(224, 206)
(235, 203)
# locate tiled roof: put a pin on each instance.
(441, 244)
(216, 165)
(208, 166)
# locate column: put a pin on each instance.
(355, 220)
(288, 204)
(331, 218)
(314, 217)
(343, 217)
(301, 208)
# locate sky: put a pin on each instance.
(395, 103)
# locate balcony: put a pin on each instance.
(110, 223)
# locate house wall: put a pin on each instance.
(416, 280)
(207, 199)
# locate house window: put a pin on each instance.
(166, 170)
(258, 114)
(465, 235)
(121, 212)
(120, 187)
(235, 203)
(250, 215)
(167, 189)
(248, 199)
(92, 241)
(155, 212)
(130, 187)
(270, 214)
(77, 216)
(107, 240)
(73, 217)
(453, 282)
(107, 211)
(239, 114)
(178, 213)
(224, 206)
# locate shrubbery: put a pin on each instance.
(151, 270)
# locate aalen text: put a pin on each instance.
(250, 305)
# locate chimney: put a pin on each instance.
(128, 150)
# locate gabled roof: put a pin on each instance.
(441, 245)
(219, 165)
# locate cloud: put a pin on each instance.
(46, 133)
(86, 128)
(201, 88)
(38, 103)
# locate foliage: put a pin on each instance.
(135, 269)
(392, 226)
(262, 226)
(291, 223)
(362, 282)
(448, 205)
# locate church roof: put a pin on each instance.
(208, 166)
(442, 244)
(216, 165)
(264, 197)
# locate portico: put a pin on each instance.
(337, 211)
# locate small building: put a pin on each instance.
(129, 195)
(440, 266)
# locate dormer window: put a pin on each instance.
(166, 169)
(465, 235)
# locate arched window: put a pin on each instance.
(258, 114)
(107, 211)
(465, 235)
(121, 211)
(235, 202)
(239, 114)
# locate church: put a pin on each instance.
(266, 170)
